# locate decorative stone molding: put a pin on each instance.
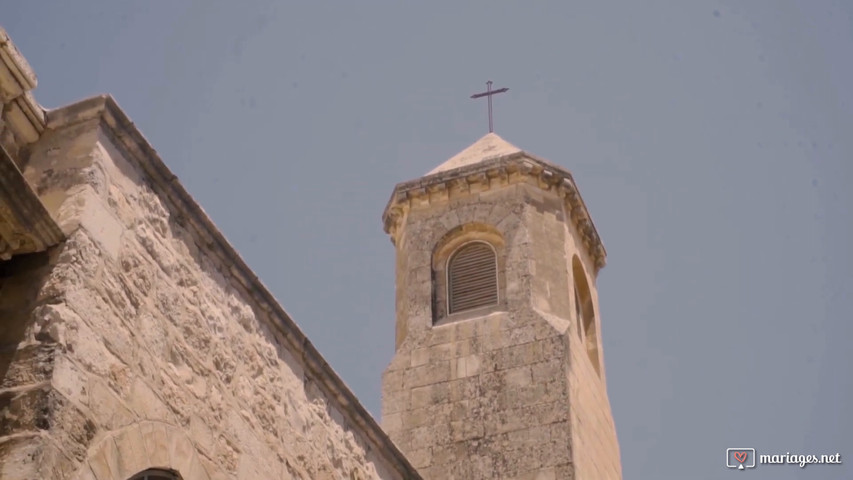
(25, 225)
(491, 173)
(16, 76)
(23, 119)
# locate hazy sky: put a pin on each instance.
(710, 140)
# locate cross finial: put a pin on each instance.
(488, 93)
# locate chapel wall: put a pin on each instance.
(153, 351)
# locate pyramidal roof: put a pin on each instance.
(491, 162)
(489, 146)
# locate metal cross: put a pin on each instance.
(488, 93)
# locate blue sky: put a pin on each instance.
(710, 140)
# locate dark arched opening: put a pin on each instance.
(156, 474)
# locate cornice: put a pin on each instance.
(115, 123)
(25, 225)
(21, 114)
(16, 75)
(492, 173)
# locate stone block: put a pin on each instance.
(107, 407)
(463, 389)
(420, 458)
(155, 440)
(548, 371)
(429, 395)
(132, 457)
(84, 473)
(420, 356)
(145, 403)
(28, 365)
(22, 455)
(518, 355)
(392, 380)
(465, 430)
(519, 377)
(25, 410)
(392, 422)
(428, 374)
(467, 366)
(461, 410)
(105, 462)
(394, 402)
(70, 380)
(523, 416)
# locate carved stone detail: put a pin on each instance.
(520, 167)
(25, 225)
(22, 119)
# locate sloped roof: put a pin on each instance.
(491, 162)
(489, 146)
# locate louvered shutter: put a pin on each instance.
(472, 278)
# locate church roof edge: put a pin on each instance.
(106, 111)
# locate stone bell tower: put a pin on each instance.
(498, 371)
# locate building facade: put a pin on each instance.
(135, 343)
(498, 371)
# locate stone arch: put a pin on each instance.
(157, 474)
(585, 313)
(142, 446)
(444, 250)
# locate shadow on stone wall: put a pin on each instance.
(27, 358)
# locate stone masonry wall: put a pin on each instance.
(593, 427)
(134, 346)
(26, 367)
(486, 397)
(510, 394)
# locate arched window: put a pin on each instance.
(155, 474)
(472, 277)
(585, 313)
(468, 273)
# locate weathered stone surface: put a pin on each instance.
(132, 336)
(27, 365)
(143, 340)
(501, 392)
(25, 225)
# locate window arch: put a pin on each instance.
(472, 277)
(156, 474)
(455, 272)
(585, 313)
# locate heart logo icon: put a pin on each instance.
(740, 456)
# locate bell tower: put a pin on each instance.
(498, 371)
